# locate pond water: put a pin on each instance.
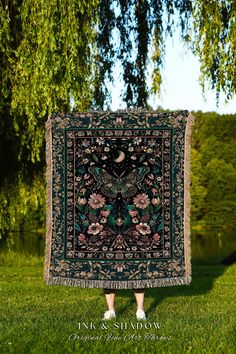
(208, 246)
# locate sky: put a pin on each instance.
(180, 88)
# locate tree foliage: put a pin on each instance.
(213, 172)
(133, 32)
(46, 59)
(214, 41)
(47, 56)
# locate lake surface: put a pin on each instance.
(208, 246)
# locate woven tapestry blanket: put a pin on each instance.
(118, 199)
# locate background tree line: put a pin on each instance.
(213, 169)
(57, 52)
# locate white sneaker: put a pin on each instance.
(109, 314)
(140, 315)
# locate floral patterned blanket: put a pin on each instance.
(118, 200)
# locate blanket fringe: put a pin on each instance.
(129, 284)
(187, 201)
(48, 239)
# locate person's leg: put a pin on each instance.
(139, 295)
(110, 298)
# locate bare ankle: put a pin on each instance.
(141, 308)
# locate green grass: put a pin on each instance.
(37, 318)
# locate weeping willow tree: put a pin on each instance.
(46, 51)
(135, 32)
(60, 54)
(213, 40)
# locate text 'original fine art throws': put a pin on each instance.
(118, 199)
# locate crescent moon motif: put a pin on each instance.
(121, 156)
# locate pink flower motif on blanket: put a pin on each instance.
(143, 228)
(141, 201)
(95, 228)
(133, 212)
(82, 237)
(82, 201)
(156, 237)
(105, 213)
(96, 201)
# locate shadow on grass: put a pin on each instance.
(203, 278)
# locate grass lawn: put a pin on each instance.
(37, 318)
